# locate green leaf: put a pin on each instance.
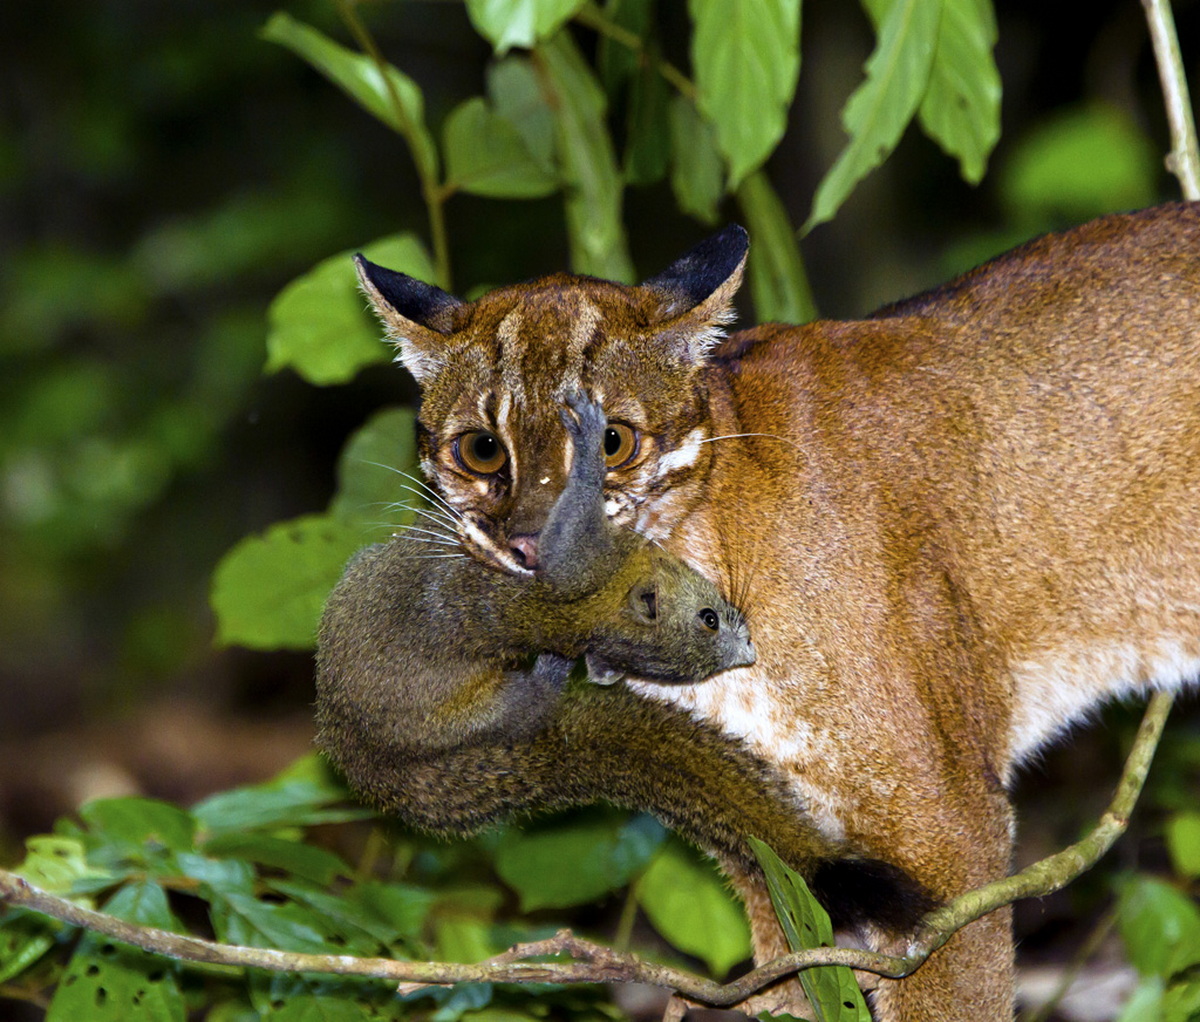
(297, 796)
(648, 134)
(778, 282)
(362, 932)
(295, 857)
(689, 904)
(24, 938)
(697, 172)
(145, 903)
(746, 56)
(509, 23)
(1183, 842)
(319, 325)
(575, 860)
(1160, 927)
(1080, 163)
(269, 590)
(517, 96)
(404, 906)
(135, 823)
(318, 1008)
(487, 155)
(589, 166)
(831, 990)
(961, 108)
(370, 471)
(217, 877)
(1145, 1003)
(243, 919)
(881, 107)
(56, 864)
(110, 982)
(396, 100)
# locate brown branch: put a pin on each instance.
(595, 963)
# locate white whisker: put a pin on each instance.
(734, 436)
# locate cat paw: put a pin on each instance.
(582, 416)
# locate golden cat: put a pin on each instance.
(954, 527)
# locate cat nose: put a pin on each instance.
(524, 548)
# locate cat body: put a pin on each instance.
(955, 527)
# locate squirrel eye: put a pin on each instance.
(708, 618)
(620, 444)
(480, 452)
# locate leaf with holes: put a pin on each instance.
(831, 990)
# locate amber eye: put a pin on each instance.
(708, 618)
(480, 452)
(620, 444)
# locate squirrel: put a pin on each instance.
(434, 652)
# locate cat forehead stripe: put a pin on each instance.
(508, 338)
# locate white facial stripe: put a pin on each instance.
(683, 456)
(509, 336)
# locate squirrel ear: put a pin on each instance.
(695, 293)
(416, 316)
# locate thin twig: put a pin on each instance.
(1183, 160)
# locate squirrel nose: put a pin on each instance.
(524, 548)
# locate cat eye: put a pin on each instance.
(708, 618)
(480, 452)
(620, 444)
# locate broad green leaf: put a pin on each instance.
(589, 166)
(297, 796)
(961, 108)
(269, 590)
(294, 856)
(576, 860)
(648, 134)
(371, 468)
(303, 1007)
(217, 877)
(1160, 927)
(617, 62)
(509, 23)
(363, 932)
(746, 56)
(778, 282)
(110, 982)
(1183, 842)
(1080, 163)
(513, 88)
(831, 990)
(137, 822)
(144, 903)
(690, 905)
(396, 100)
(244, 919)
(319, 324)
(404, 906)
(882, 106)
(486, 155)
(56, 864)
(697, 172)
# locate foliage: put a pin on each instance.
(246, 867)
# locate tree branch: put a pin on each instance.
(594, 963)
(1183, 161)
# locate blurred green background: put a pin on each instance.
(164, 172)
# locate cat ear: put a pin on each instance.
(417, 316)
(695, 293)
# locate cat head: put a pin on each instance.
(494, 372)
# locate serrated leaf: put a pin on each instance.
(319, 324)
(875, 116)
(689, 904)
(576, 860)
(831, 990)
(1160, 927)
(136, 823)
(589, 167)
(1183, 842)
(961, 108)
(746, 56)
(269, 590)
(486, 155)
(778, 282)
(396, 100)
(371, 467)
(697, 171)
(56, 864)
(509, 23)
(1079, 163)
